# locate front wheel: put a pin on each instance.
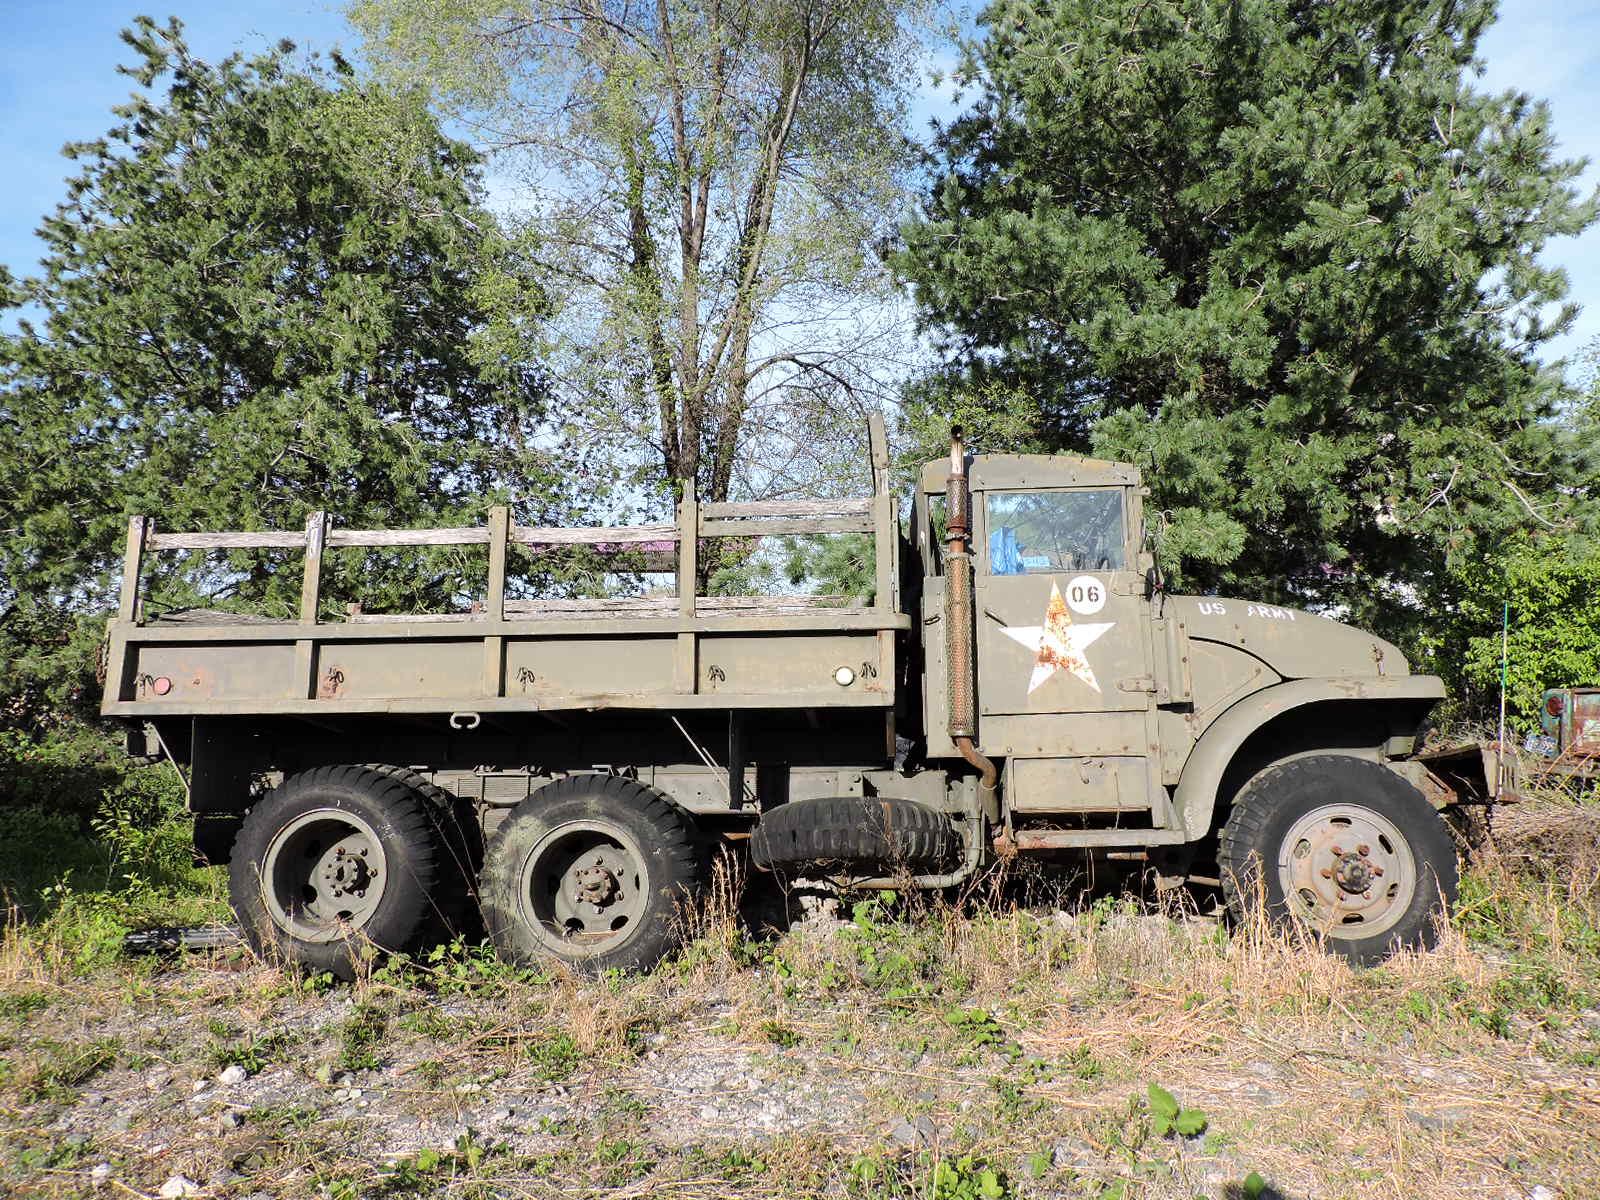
(589, 870)
(1344, 847)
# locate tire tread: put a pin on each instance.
(878, 829)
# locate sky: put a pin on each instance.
(58, 83)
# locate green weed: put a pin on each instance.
(62, 1068)
(554, 1056)
(360, 1037)
(1167, 1116)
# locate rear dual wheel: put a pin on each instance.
(333, 865)
(339, 863)
(589, 870)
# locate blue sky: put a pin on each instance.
(57, 84)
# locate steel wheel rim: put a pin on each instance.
(1347, 871)
(324, 875)
(582, 888)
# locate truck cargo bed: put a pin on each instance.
(682, 651)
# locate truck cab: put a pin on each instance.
(1113, 704)
(1569, 720)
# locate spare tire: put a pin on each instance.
(877, 831)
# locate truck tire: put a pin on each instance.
(1344, 847)
(453, 910)
(882, 831)
(331, 863)
(589, 870)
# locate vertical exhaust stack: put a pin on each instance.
(960, 623)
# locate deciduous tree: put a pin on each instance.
(712, 181)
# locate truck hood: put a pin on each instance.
(1294, 643)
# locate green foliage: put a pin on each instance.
(430, 1170)
(832, 565)
(360, 1038)
(1167, 1116)
(967, 1178)
(1553, 589)
(61, 1068)
(271, 289)
(779, 1034)
(1284, 257)
(977, 1026)
(93, 845)
(994, 415)
(554, 1056)
(892, 955)
(1529, 919)
(251, 1050)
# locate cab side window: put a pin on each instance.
(937, 525)
(1035, 533)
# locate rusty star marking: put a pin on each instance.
(1059, 643)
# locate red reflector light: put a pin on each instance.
(1555, 706)
(161, 686)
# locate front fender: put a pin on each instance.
(1196, 796)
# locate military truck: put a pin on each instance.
(1018, 683)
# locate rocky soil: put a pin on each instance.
(1007, 1054)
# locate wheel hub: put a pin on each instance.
(594, 884)
(1355, 872)
(1347, 870)
(584, 887)
(322, 875)
(343, 872)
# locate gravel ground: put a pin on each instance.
(216, 1076)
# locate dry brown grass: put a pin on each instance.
(1026, 1037)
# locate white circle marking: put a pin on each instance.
(1086, 595)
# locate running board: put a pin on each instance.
(1086, 839)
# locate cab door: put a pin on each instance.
(1065, 684)
(1060, 609)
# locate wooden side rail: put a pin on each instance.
(695, 522)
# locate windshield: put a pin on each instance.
(1039, 532)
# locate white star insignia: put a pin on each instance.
(1059, 643)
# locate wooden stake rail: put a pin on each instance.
(695, 522)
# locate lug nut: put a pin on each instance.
(1326, 873)
(1377, 870)
(1363, 849)
(1337, 850)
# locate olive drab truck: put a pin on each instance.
(1018, 683)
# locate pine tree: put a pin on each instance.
(1285, 256)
